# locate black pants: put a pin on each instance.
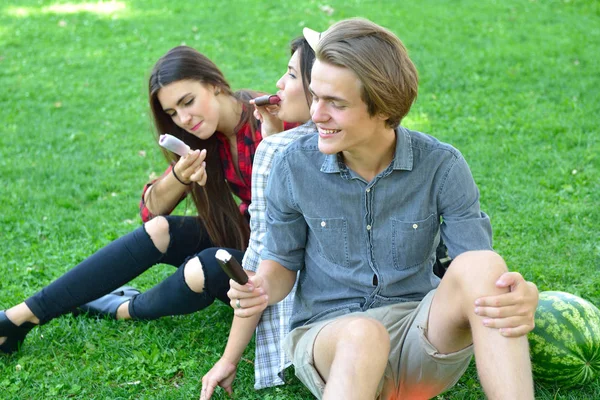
(128, 257)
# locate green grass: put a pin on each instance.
(513, 84)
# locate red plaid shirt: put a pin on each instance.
(239, 183)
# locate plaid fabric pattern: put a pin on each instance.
(270, 360)
(246, 146)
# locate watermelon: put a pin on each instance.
(565, 343)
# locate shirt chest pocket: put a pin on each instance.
(412, 241)
(331, 236)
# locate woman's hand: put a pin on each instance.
(192, 168)
(267, 115)
(512, 313)
(221, 374)
(249, 299)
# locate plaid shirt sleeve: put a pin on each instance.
(270, 360)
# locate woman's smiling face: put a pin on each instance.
(192, 105)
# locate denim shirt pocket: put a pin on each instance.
(332, 239)
(412, 241)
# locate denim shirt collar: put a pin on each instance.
(403, 156)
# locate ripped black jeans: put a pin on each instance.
(128, 257)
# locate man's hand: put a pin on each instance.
(221, 374)
(513, 312)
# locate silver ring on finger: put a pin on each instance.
(237, 304)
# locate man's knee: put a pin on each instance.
(158, 230)
(364, 335)
(475, 269)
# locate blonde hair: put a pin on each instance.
(379, 59)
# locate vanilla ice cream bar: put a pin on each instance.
(173, 144)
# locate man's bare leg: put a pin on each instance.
(351, 355)
(503, 363)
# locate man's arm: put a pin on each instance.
(284, 243)
(511, 312)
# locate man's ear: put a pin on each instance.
(382, 117)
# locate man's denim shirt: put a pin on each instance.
(359, 244)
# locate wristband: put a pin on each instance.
(176, 177)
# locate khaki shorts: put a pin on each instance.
(415, 368)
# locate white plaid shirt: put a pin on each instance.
(270, 360)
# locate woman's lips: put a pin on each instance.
(197, 126)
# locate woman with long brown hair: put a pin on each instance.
(190, 99)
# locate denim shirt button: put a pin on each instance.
(368, 190)
(415, 226)
(368, 227)
(323, 224)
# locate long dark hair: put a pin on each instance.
(307, 59)
(216, 207)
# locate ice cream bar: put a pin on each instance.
(173, 144)
(232, 268)
(266, 100)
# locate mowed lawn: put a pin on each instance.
(513, 84)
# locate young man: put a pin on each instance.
(356, 210)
